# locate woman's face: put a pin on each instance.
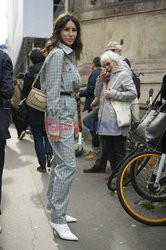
(109, 66)
(69, 33)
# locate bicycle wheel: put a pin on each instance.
(143, 177)
(139, 208)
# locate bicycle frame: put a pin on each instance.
(154, 183)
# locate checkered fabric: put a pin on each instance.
(61, 176)
(61, 74)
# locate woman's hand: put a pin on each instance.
(107, 93)
(77, 96)
(104, 73)
(54, 136)
(76, 130)
(95, 102)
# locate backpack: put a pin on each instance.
(136, 78)
(137, 83)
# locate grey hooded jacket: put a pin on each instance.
(123, 90)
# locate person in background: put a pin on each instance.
(20, 125)
(60, 79)
(101, 163)
(6, 93)
(35, 117)
(115, 47)
(93, 116)
(114, 136)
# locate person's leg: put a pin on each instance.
(61, 176)
(95, 142)
(38, 135)
(101, 162)
(2, 159)
(22, 126)
(110, 150)
(52, 178)
(90, 122)
(14, 119)
(19, 125)
(116, 149)
(120, 148)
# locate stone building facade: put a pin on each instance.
(139, 24)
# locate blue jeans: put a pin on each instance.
(41, 143)
(90, 122)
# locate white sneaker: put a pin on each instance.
(63, 231)
(69, 219)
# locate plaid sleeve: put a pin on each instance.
(53, 76)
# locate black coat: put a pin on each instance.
(35, 117)
(6, 93)
(89, 91)
(163, 88)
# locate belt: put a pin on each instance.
(68, 93)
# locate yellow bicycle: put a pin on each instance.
(141, 187)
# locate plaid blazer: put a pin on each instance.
(60, 73)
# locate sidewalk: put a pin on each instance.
(102, 222)
(24, 222)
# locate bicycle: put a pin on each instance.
(132, 145)
(137, 113)
(153, 173)
(141, 187)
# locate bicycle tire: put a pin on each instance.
(111, 184)
(144, 211)
(146, 168)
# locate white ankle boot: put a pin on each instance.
(69, 219)
(63, 231)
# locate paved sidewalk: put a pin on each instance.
(102, 223)
(24, 221)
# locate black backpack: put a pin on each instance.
(137, 83)
(136, 78)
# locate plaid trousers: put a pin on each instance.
(61, 176)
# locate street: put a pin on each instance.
(102, 222)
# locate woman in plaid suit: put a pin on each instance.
(60, 78)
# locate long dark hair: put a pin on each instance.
(56, 37)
